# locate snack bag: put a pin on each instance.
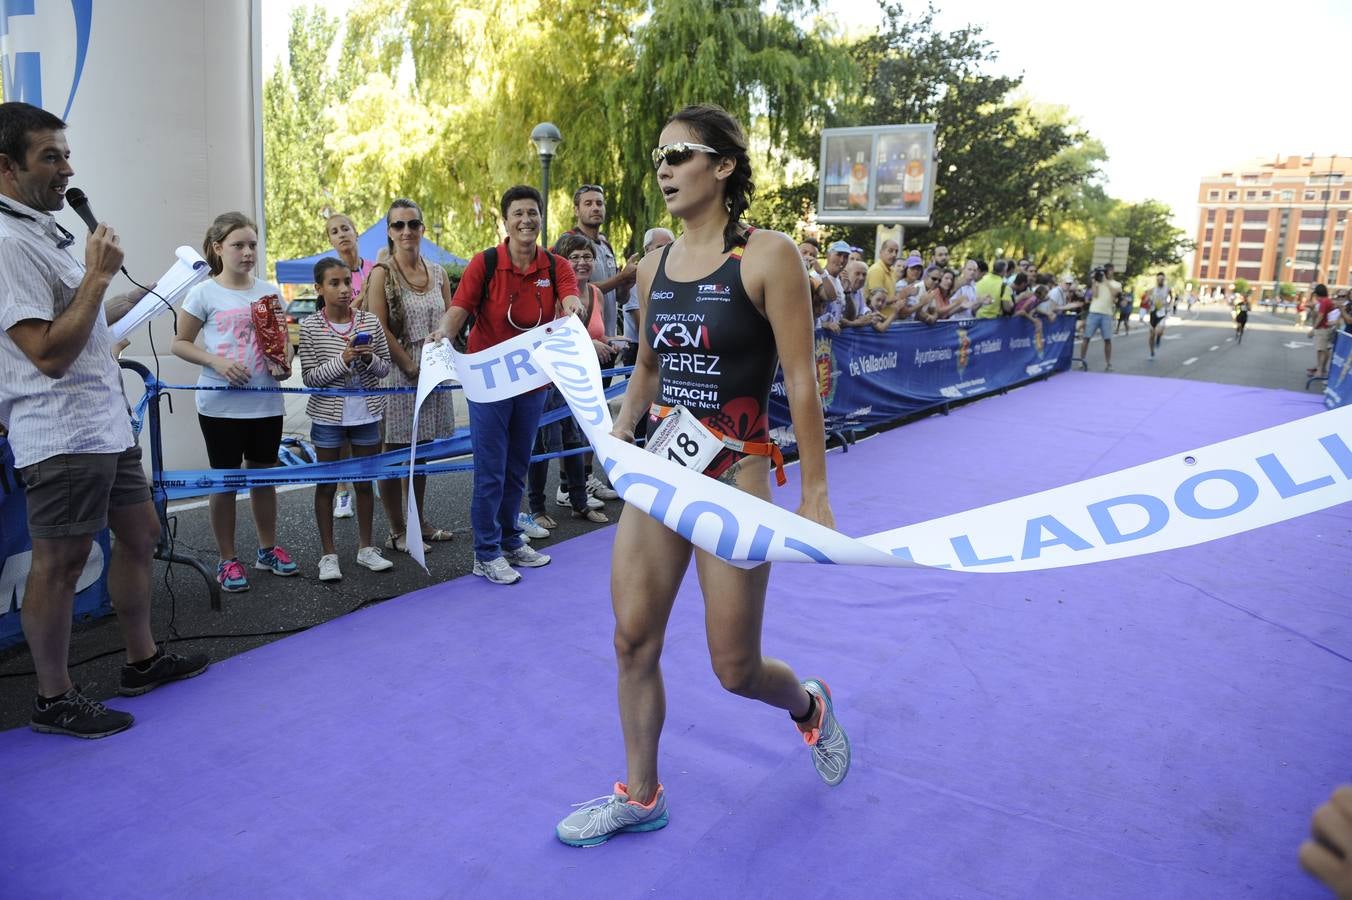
(270, 333)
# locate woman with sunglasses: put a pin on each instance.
(525, 286)
(409, 295)
(746, 294)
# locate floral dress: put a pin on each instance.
(421, 314)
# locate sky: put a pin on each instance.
(1175, 89)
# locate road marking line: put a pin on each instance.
(1188, 362)
(1217, 347)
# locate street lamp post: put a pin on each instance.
(546, 139)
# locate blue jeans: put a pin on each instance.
(502, 434)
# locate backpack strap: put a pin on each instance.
(490, 267)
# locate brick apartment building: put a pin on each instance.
(1274, 220)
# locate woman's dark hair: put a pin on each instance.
(401, 203)
(328, 262)
(715, 126)
(520, 192)
(220, 229)
(571, 243)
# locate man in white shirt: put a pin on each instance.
(62, 403)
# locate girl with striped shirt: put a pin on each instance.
(345, 348)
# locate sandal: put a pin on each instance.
(439, 535)
(398, 542)
(544, 520)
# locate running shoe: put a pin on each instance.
(329, 569)
(497, 571)
(76, 715)
(342, 505)
(373, 559)
(562, 499)
(161, 668)
(601, 819)
(230, 575)
(275, 560)
(526, 522)
(830, 745)
(526, 556)
(600, 490)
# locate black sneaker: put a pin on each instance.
(76, 715)
(167, 667)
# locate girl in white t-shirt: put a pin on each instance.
(237, 426)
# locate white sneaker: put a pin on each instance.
(497, 571)
(600, 490)
(328, 568)
(526, 556)
(373, 559)
(561, 498)
(342, 505)
(526, 523)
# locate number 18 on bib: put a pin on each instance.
(681, 438)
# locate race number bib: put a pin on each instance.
(681, 438)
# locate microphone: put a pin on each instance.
(79, 204)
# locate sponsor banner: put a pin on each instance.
(1211, 492)
(1338, 389)
(869, 378)
(16, 553)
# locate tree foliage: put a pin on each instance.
(435, 101)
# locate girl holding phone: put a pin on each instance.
(343, 347)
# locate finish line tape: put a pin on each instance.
(1212, 492)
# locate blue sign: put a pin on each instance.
(30, 27)
(1338, 389)
(868, 378)
(91, 598)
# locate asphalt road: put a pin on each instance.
(1199, 345)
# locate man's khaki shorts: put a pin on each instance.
(70, 494)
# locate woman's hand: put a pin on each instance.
(623, 434)
(817, 508)
(604, 351)
(232, 372)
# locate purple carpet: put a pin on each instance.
(1151, 727)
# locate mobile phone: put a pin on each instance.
(361, 339)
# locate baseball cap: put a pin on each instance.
(1067, 278)
(838, 247)
(914, 261)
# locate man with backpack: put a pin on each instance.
(510, 288)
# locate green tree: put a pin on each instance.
(295, 98)
(1001, 165)
(771, 72)
(1155, 242)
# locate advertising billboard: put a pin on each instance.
(877, 175)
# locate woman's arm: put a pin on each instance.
(376, 305)
(378, 362)
(642, 389)
(784, 292)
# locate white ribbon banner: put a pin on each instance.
(1189, 498)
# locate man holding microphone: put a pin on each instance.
(62, 402)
